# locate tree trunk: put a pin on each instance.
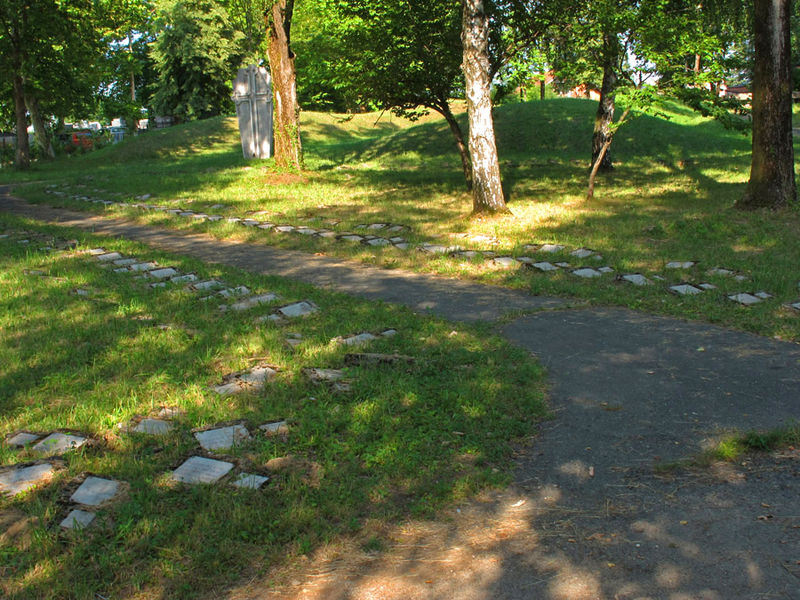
(605, 108)
(487, 189)
(541, 89)
(772, 179)
(40, 133)
(288, 151)
(23, 159)
(602, 154)
(455, 128)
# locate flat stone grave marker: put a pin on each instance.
(250, 302)
(275, 428)
(355, 340)
(319, 375)
(198, 469)
(396, 228)
(124, 262)
(20, 479)
(108, 256)
(162, 273)
(707, 286)
(186, 213)
(253, 379)
(544, 266)
(188, 278)
(306, 231)
(795, 305)
(351, 238)
(551, 248)
(606, 269)
(677, 264)
(57, 442)
(563, 265)
(763, 295)
(143, 266)
(745, 299)
(298, 309)
(720, 271)
(214, 218)
(153, 427)
(685, 289)
(248, 222)
(94, 491)
(285, 228)
(23, 438)
(222, 438)
(582, 253)
(327, 234)
(504, 261)
(636, 279)
(209, 284)
(78, 519)
(249, 481)
(378, 241)
(239, 290)
(586, 273)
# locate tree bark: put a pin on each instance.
(487, 188)
(23, 158)
(605, 108)
(463, 151)
(772, 178)
(601, 156)
(40, 133)
(288, 150)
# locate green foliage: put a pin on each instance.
(196, 57)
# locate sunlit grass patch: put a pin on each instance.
(405, 440)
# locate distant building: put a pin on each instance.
(740, 92)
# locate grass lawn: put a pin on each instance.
(669, 199)
(85, 349)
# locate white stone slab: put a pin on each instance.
(249, 481)
(505, 261)
(56, 443)
(162, 273)
(108, 256)
(685, 289)
(95, 490)
(720, 271)
(122, 270)
(198, 469)
(636, 279)
(200, 216)
(746, 299)
(153, 427)
(468, 254)
(707, 286)
(389, 332)
(124, 262)
(552, 248)
(379, 242)
(285, 228)
(582, 253)
(396, 228)
(437, 249)
(143, 266)
(677, 264)
(158, 284)
(795, 305)
(78, 519)
(222, 438)
(763, 295)
(563, 265)
(214, 218)
(356, 340)
(22, 439)
(251, 302)
(587, 273)
(544, 266)
(276, 428)
(305, 231)
(377, 226)
(402, 245)
(526, 260)
(233, 220)
(186, 213)
(352, 238)
(249, 222)
(298, 309)
(226, 389)
(606, 269)
(17, 480)
(397, 240)
(327, 234)
(741, 277)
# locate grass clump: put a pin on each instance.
(404, 441)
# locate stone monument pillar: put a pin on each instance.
(252, 94)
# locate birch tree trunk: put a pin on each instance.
(772, 178)
(487, 189)
(605, 108)
(288, 151)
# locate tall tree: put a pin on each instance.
(405, 57)
(196, 55)
(288, 148)
(487, 187)
(772, 177)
